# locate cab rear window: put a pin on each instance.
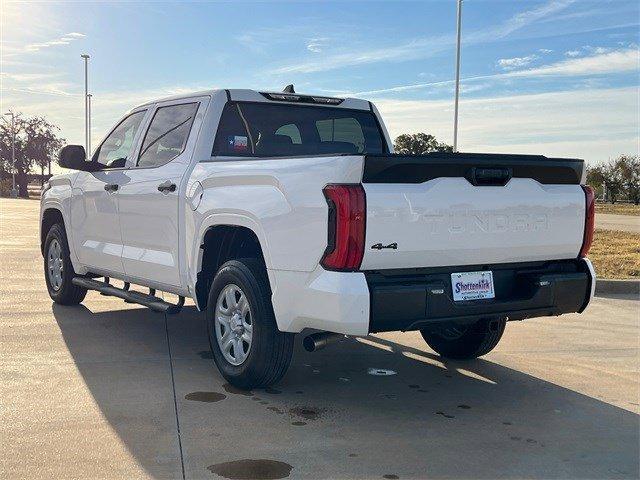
(268, 130)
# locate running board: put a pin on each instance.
(151, 301)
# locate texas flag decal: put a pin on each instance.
(237, 142)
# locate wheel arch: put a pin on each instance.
(219, 243)
(50, 216)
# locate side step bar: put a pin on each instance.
(151, 301)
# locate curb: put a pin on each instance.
(617, 287)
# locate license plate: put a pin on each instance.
(472, 285)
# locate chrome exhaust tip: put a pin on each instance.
(317, 341)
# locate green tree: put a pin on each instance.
(418, 144)
(613, 182)
(619, 177)
(36, 144)
(629, 168)
(595, 178)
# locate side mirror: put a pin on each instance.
(75, 158)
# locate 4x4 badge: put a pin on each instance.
(379, 246)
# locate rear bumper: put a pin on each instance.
(412, 299)
(323, 300)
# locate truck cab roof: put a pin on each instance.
(247, 95)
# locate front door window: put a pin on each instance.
(116, 148)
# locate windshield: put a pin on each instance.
(263, 129)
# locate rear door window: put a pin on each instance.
(263, 129)
(167, 134)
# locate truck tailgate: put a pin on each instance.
(453, 209)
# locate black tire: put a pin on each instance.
(66, 293)
(470, 342)
(270, 353)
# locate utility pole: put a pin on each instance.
(86, 102)
(89, 127)
(455, 109)
(14, 192)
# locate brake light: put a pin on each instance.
(589, 221)
(289, 97)
(347, 216)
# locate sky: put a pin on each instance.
(550, 77)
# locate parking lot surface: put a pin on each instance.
(111, 390)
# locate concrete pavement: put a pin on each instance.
(110, 390)
(624, 223)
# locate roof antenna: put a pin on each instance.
(289, 89)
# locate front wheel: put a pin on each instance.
(58, 270)
(462, 342)
(247, 346)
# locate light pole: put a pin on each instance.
(14, 192)
(86, 102)
(455, 108)
(89, 125)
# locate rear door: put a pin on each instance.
(149, 201)
(455, 210)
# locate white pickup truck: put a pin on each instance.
(281, 212)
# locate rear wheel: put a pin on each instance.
(247, 346)
(465, 341)
(58, 270)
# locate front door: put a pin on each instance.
(94, 202)
(149, 201)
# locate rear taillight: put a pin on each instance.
(590, 213)
(347, 215)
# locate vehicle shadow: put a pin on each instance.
(361, 408)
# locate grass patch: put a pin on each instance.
(616, 254)
(618, 208)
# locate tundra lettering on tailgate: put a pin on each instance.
(469, 221)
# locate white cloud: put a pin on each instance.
(590, 124)
(589, 50)
(423, 47)
(545, 50)
(63, 40)
(29, 77)
(516, 62)
(596, 50)
(57, 89)
(413, 86)
(316, 45)
(619, 61)
(260, 40)
(250, 41)
(472, 87)
(36, 83)
(528, 17)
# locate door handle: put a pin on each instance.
(167, 187)
(497, 176)
(111, 187)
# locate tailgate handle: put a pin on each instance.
(482, 176)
